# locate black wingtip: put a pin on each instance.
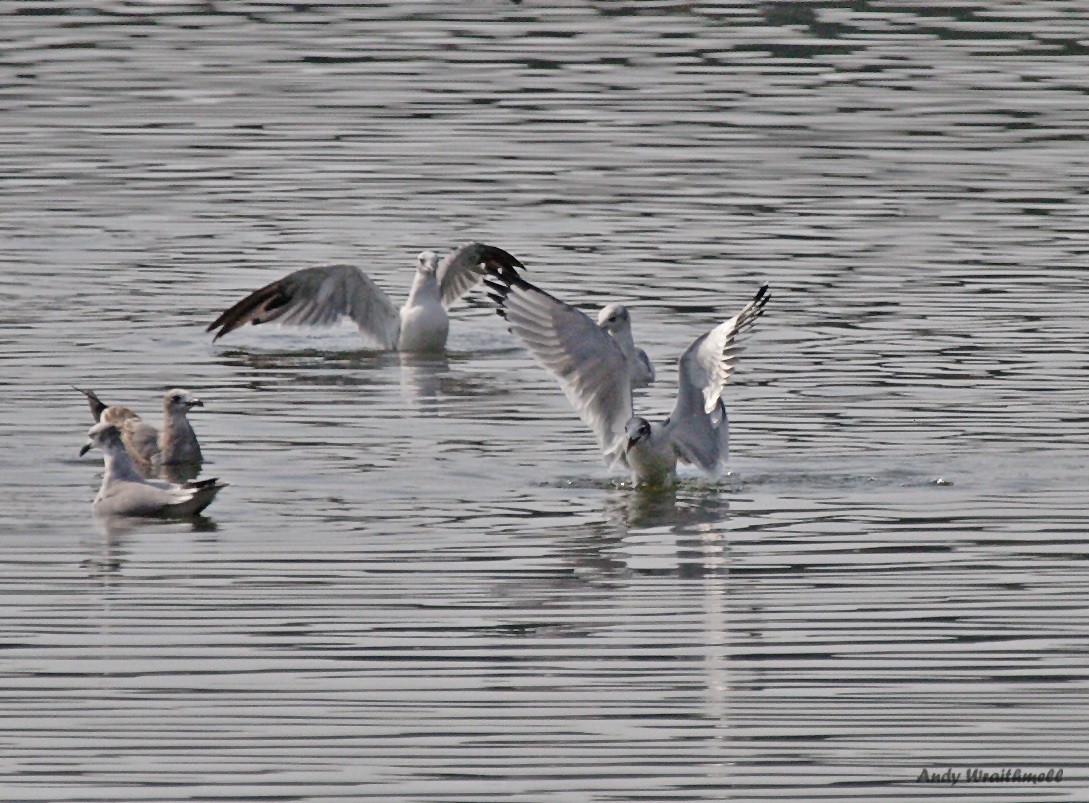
(504, 277)
(755, 308)
(96, 404)
(493, 253)
(498, 282)
(497, 304)
(760, 300)
(221, 320)
(198, 484)
(254, 309)
(223, 327)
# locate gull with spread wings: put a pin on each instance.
(323, 296)
(595, 374)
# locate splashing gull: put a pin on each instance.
(323, 296)
(595, 374)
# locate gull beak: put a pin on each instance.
(86, 448)
(194, 403)
(636, 432)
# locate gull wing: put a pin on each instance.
(98, 407)
(204, 491)
(697, 426)
(134, 498)
(157, 498)
(461, 270)
(588, 363)
(141, 440)
(318, 297)
(642, 370)
(114, 414)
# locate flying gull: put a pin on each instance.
(595, 374)
(125, 492)
(323, 296)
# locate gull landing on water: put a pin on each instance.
(596, 376)
(125, 492)
(323, 296)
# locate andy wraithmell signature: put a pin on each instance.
(977, 775)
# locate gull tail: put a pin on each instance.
(204, 491)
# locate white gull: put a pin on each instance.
(322, 296)
(596, 375)
(125, 492)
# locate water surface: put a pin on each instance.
(422, 583)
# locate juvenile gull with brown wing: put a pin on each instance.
(175, 442)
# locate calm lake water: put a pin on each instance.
(422, 584)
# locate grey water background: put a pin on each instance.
(422, 584)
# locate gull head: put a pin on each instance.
(637, 429)
(427, 262)
(102, 435)
(182, 401)
(614, 318)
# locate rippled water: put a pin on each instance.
(421, 583)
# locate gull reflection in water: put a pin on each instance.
(422, 378)
(682, 507)
(109, 550)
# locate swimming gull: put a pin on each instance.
(325, 295)
(175, 443)
(125, 492)
(594, 373)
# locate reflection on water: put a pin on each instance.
(115, 527)
(178, 473)
(684, 507)
(423, 584)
